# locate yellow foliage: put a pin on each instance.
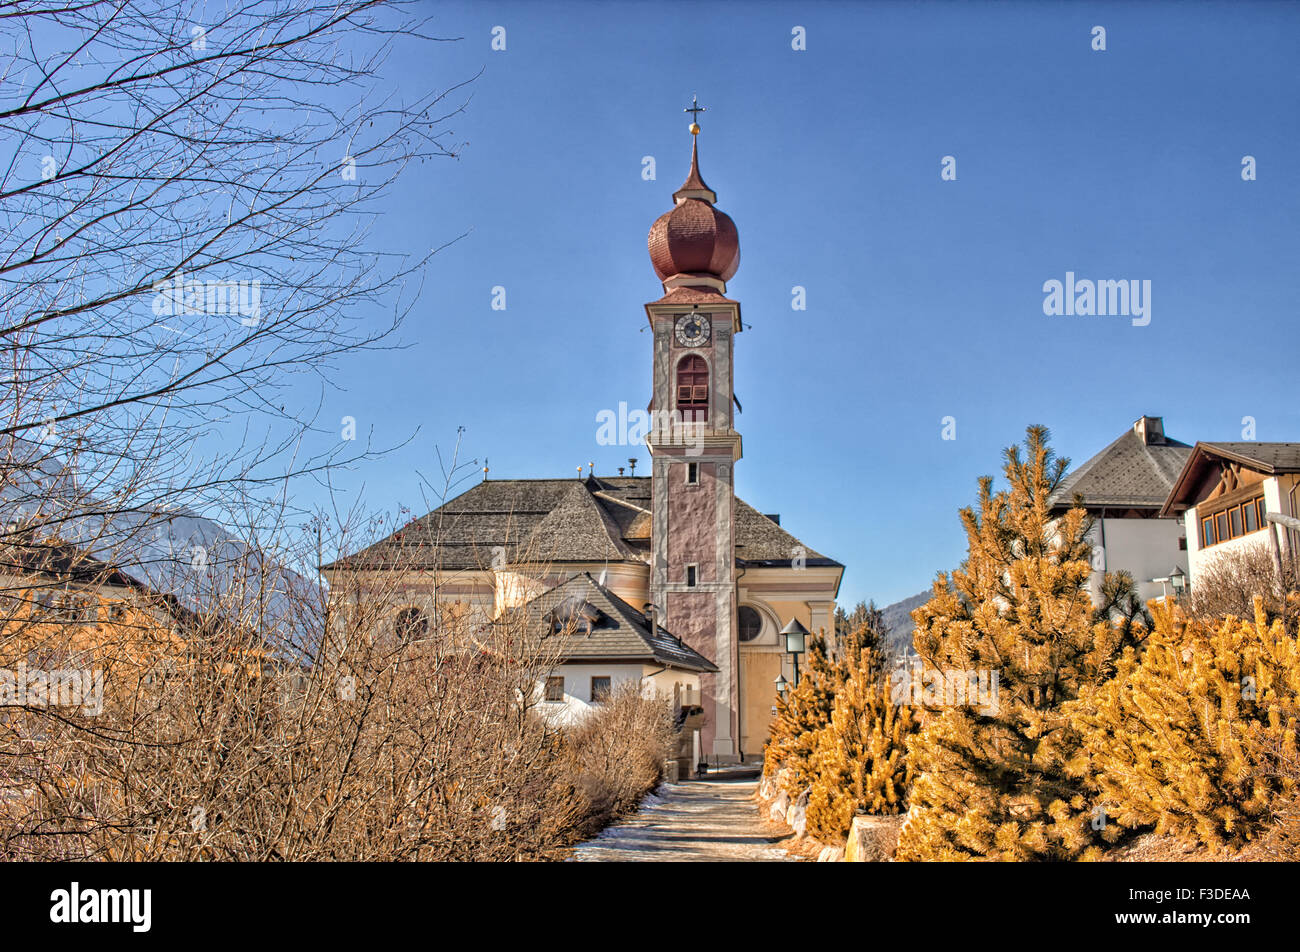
(859, 759)
(1183, 738)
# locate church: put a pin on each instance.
(669, 572)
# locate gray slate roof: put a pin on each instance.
(1129, 473)
(1268, 457)
(556, 521)
(619, 632)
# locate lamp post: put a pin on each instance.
(1178, 579)
(782, 685)
(795, 636)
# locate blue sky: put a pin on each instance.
(924, 297)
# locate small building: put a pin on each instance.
(1124, 488)
(1224, 492)
(604, 645)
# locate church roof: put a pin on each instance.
(1136, 471)
(600, 626)
(597, 519)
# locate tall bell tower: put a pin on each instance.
(693, 443)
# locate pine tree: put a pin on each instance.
(992, 780)
(859, 760)
(865, 621)
(804, 711)
(1182, 740)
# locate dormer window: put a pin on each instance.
(576, 616)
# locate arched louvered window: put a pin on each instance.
(693, 389)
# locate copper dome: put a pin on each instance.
(695, 237)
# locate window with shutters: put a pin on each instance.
(693, 389)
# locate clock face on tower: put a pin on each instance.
(692, 330)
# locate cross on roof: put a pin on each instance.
(695, 109)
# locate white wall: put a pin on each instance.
(1145, 548)
(1276, 499)
(577, 686)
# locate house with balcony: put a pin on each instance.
(1225, 490)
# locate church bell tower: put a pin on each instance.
(693, 443)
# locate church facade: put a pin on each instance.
(677, 546)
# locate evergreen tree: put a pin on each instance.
(992, 780)
(1183, 739)
(859, 761)
(864, 626)
(804, 711)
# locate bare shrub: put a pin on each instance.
(222, 738)
(1229, 584)
(616, 755)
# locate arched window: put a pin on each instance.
(750, 622)
(411, 624)
(693, 389)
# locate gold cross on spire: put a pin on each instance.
(695, 109)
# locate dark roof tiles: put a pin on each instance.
(598, 519)
(1129, 473)
(619, 633)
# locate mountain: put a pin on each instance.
(898, 619)
(170, 550)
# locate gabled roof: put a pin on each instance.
(1131, 473)
(553, 521)
(618, 632)
(1269, 458)
(579, 529)
(60, 562)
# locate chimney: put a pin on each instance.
(1151, 429)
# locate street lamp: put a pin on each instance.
(795, 636)
(1178, 579)
(782, 685)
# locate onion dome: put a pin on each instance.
(694, 240)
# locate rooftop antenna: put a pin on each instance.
(485, 469)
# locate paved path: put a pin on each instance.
(696, 821)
